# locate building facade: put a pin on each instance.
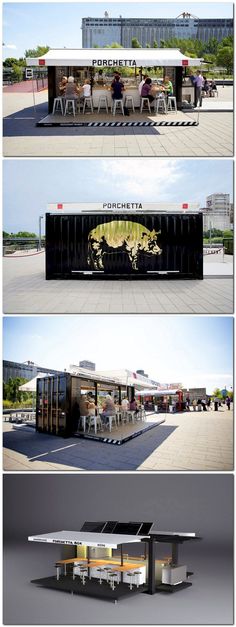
(217, 213)
(27, 370)
(107, 30)
(88, 365)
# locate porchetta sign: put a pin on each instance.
(114, 62)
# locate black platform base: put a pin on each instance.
(108, 439)
(92, 588)
(118, 124)
(164, 587)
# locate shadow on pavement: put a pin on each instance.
(85, 454)
(23, 124)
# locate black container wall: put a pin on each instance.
(124, 246)
(53, 405)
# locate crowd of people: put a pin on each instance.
(69, 89)
(109, 407)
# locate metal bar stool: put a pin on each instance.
(100, 571)
(117, 103)
(161, 104)
(171, 104)
(111, 418)
(57, 105)
(112, 577)
(102, 101)
(88, 101)
(83, 574)
(129, 100)
(143, 100)
(107, 570)
(70, 103)
(130, 575)
(136, 581)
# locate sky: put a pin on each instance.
(195, 351)
(39, 182)
(26, 25)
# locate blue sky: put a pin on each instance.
(29, 185)
(25, 25)
(191, 350)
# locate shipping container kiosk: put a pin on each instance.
(93, 63)
(110, 560)
(58, 406)
(151, 242)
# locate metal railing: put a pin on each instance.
(14, 244)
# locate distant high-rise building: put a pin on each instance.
(88, 365)
(142, 373)
(216, 214)
(103, 31)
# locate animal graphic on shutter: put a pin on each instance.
(133, 237)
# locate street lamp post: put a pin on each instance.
(40, 231)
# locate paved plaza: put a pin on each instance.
(213, 137)
(26, 291)
(189, 441)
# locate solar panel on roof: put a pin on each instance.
(93, 527)
(127, 528)
(145, 528)
(109, 526)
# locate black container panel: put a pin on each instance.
(128, 245)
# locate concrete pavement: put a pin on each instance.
(25, 290)
(213, 137)
(189, 441)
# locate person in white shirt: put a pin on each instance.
(141, 84)
(86, 89)
(125, 404)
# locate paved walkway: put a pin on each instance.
(213, 137)
(26, 291)
(190, 441)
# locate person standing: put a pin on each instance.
(194, 404)
(199, 82)
(227, 400)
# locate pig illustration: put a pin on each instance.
(132, 237)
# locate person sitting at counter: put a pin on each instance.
(62, 85)
(142, 83)
(71, 89)
(117, 88)
(108, 409)
(146, 89)
(168, 86)
(86, 89)
(133, 406)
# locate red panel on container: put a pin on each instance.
(185, 62)
(185, 205)
(41, 61)
(60, 206)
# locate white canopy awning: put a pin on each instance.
(156, 392)
(114, 57)
(31, 386)
(81, 538)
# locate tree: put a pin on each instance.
(9, 62)
(11, 390)
(155, 44)
(114, 45)
(217, 393)
(37, 52)
(135, 43)
(225, 58)
(25, 234)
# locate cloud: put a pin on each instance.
(10, 46)
(143, 178)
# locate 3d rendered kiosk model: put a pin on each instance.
(124, 241)
(110, 560)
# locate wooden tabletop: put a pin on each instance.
(72, 560)
(127, 567)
